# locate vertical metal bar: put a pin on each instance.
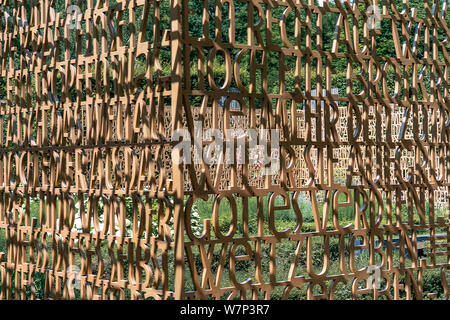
(177, 174)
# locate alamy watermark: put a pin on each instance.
(74, 15)
(251, 147)
(74, 277)
(373, 14)
(373, 281)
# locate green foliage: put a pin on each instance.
(384, 43)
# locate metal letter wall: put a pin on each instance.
(94, 206)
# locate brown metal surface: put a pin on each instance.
(86, 138)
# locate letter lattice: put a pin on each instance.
(94, 206)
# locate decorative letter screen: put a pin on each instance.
(100, 100)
